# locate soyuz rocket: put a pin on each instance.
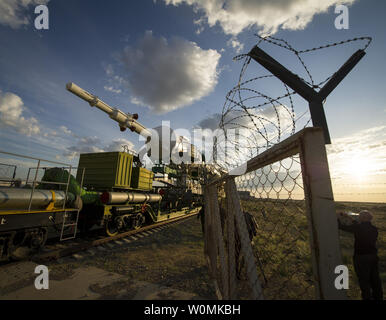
(166, 138)
(125, 120)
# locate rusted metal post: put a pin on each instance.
(230, 221)
(210, 246)
(246, 248)
(322, 221)
(220, 242)
(313, 97)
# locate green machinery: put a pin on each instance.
(115, 194)
(126, 199)
(127, 195)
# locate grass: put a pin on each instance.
(347, 242)
(175, 256)
(283, 246)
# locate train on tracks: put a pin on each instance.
(112, 191)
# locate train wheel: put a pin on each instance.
(38, 238)
(138, 221)
(26, 243)
(111, 227)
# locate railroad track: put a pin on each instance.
(76, 247)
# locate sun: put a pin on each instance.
(359, 168)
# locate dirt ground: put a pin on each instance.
(168, 264)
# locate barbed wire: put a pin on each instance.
(267, 118)
(273, 195)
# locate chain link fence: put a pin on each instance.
(273, 197)
(271, 233)
(267, 226)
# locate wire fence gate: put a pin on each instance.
(295, 247)
(271, 229)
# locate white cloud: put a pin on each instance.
(118, 144)
(212, 122)
(94, 144)
(83, 145)
(166, 75)
(199, 23)
(11, 115)
(66, 130)
(22, 166)
(112, 89)
(362, 153)
(109, 70)
(13, 13)
(267, 15)
(270, 117)
(362, 139)
(235, 44)
(253, 130)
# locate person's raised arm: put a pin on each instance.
(350, 228)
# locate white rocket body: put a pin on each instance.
(125, 120)
(161, 141)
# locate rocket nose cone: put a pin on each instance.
(69, 85)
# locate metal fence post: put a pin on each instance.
(230, 221)
(320, 207)
(220, 240)
(246, 248)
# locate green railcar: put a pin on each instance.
(106, 170)
(127, 198)
(142, 179)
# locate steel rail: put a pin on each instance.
(71, 249)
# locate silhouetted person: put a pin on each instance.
(365, 256)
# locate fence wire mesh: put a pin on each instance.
(230, 257)
(273, 197)
(269, 204)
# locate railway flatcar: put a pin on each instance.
(127, 198)
(28, 211)
(109, 192)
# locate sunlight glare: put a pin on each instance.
(360, 168)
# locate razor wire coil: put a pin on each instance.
(273, 195)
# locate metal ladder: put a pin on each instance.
(71, 224)
(70, 213)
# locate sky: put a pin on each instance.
(172, 60)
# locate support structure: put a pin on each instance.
(314, 98)
(323, 233)
(322, 221)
